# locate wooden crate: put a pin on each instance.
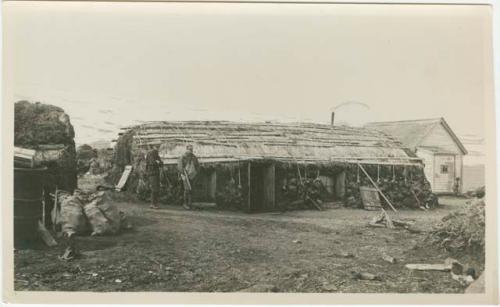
(370, 198)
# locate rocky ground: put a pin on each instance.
(300, 251)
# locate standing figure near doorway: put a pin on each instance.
(188, 167)
(153, 167)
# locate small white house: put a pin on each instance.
(437, 145)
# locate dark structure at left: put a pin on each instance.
(28, 210)
(44, 134)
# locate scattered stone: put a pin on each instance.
(344, 254)
(261, 288)
(464, 280)
(364, 276)
(471, 272)
(330, 287)
(388, 258)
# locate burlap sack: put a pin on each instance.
(98, 222)
(104, 217)
(73, 220)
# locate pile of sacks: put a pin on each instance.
(82, 213)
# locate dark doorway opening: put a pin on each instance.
(262, 187)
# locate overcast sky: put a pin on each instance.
(110, 64)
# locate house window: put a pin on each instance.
(444, 169)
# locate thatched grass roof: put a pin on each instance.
(223, 141)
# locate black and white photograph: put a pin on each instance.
(231, 147)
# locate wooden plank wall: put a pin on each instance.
(340, 185)
(269, 183)
(428, 159)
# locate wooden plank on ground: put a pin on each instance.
(47, 238)
(370, 198)
(124, 178)
(376, 187)
(428, 267)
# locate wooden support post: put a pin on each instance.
(212, 184)
(376, 187)
(56, 211)
(340, 185)
(249, 187)
(269, 186)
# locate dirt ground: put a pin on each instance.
(299, 251)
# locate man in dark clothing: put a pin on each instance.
(188, 167)
(153, 168)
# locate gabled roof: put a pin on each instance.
(224, 141)
(413, 132)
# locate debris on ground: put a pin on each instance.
(365, 276)
(70, 253)
(464, 280)
(451, 265)
(455, 266)
(388, 258)
(462, 231)
(382, 220)
(343, 254)
(260, 288)
(428, 267)
(330, 288)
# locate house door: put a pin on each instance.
(262, 187)
(444, 173)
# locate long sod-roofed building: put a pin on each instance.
(256, 153)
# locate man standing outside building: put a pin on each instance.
(188, 167)
(153, 168)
